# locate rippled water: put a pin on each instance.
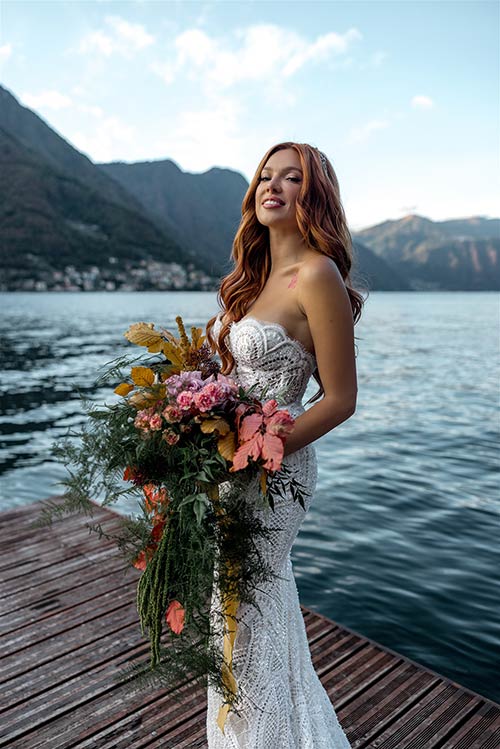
(401, 541)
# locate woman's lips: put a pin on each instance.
(272, 205)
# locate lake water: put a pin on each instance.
(401, 541)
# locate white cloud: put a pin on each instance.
(106, 140)
(123, 38)
(48, 99)
(133, 33)
(362, 133)
(264, 52)
(206, 136)
(94, 110)
(5, 52)
(422, 102)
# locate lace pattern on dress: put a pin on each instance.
(282, 703)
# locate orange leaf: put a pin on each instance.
(175, 617)
(209, 425)
(272, 451)
(270, 407)
(123, 389)
(143, 376)
(249, 426)
(249, 449)
(227, 445)
(263, 479)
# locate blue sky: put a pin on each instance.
(403, 96)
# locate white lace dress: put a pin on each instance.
(282, 703)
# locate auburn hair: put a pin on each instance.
(322, 223)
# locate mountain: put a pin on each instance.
(59, 208)
(49, 220)
(31, 130)
(372, 272)
(121, 221)
(460, 254)
(201, 211)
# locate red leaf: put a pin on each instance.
(272, 451)
(270, 407)
(249, 449)
(249, 425)
(175, 617)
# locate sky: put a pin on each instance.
(401, 95)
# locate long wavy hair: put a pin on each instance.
(322, 223)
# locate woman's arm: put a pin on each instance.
(324, 300)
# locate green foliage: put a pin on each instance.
(202, 536)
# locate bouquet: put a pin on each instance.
(189, 443)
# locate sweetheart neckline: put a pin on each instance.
(267, 323)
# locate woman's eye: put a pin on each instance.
(294, 179)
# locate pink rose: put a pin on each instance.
(216, 391)
(170, 436)
(155, 422)
(203, 400)
(185, 400)
(142, 418)
(172, 413)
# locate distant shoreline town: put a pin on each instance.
(144, 276)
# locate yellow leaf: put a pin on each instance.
(210, 425)
(173, 353)
(197, 337)
(144, 334)
(168, 371)
(143, 376)
(227, 446)
(123, 389)
(263, 476)
(142, 400)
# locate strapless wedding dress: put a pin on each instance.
(281, 701)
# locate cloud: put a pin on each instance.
(422, 102)
(262, 53)
(362, 133)
(105, 140)
(208, 135)
(48, 99)
(123, 38)
(5, 52)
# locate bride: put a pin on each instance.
(288, 312)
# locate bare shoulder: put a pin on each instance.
(319, 275)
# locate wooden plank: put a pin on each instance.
(68, 625)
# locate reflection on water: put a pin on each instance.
(400, 541)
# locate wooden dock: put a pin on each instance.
(68, 622)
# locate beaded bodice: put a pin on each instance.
(268, 357)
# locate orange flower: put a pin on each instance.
(157, 531)
(175, 617)
(128, 474)
(154, 496)
(144, 557)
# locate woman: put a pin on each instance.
(288, 312)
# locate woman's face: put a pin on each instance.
(279, 184)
